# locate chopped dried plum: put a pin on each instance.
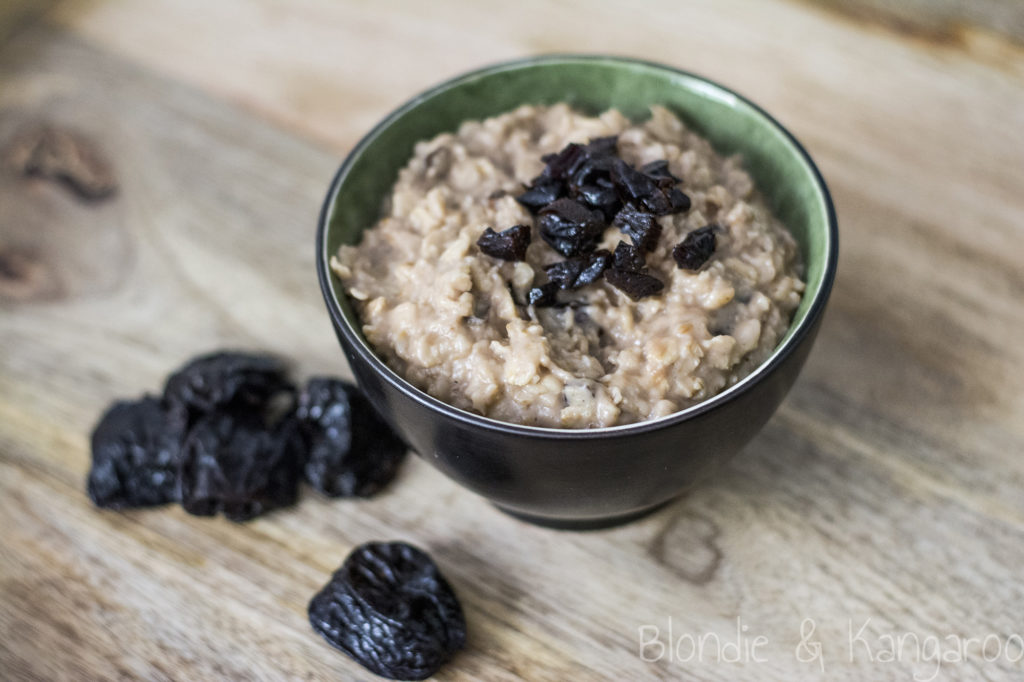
(223, 378)
(652, 194)
(601, 146)
(599, 195)
(634, 284)
(542, 192)
(135, 455)
(573, 273)
(352, 452)
(696, 248)
(508, 244)
(389, 608)
(581, 189)
(635, 186)
(543, 295)
(642, 227)
(678, 200)
(628, 257)
(659, 172)
(562, 165)
(233, 463)
(569, 227)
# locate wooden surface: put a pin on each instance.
(888, 492)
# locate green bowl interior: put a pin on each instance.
(591, 84)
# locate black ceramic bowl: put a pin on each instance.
(579, 478)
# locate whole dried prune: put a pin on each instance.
(628, 257)
(543, 295)
(696, 248)
(390, 609)
(508, 244)
(135, 455)
(642, 227)
(226, 377)
(573, 273)
(569, 227)
(634, 284)
(352, 452)
(233, 463)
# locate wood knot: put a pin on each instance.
(687, 546)
(24, 278)
(63, 156)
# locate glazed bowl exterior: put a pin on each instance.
(593, 477)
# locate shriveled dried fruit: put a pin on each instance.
(634, 185)
(542, 192)
(562, 165)
(642, 227)
(223, 378)
(628, 257)
(599, 195)
(135, 456)
(696, 248)
(581, 189)
(508, 244)
(634, 284)
(570, 228)
(233, 463)
(680, 202)
(543, 295)
(659, 172)
(573, 273)
(653, 194)
(390, 609)
(352, 452)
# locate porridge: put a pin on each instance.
(554, 269)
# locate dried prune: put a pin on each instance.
(508, 244)
(569, 227)
(678, 201)
(635, 186)
(634, 284)
(226, 377)
(654, 194)
(543, 295)
(599, 195)
(642, 227)
(628, 257)
(573, 273)
(233, 463)
(562, 165)
(542, 192)
(659, 172)
(696, 248)
(389, 608)
(135, 456)
(601, 146)
(352, 452)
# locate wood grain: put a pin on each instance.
(887, 490)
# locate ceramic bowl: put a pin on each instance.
(595, 477)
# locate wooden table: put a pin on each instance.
(885, 499)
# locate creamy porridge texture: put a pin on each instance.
(455, 323)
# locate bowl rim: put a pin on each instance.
(793, 339)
